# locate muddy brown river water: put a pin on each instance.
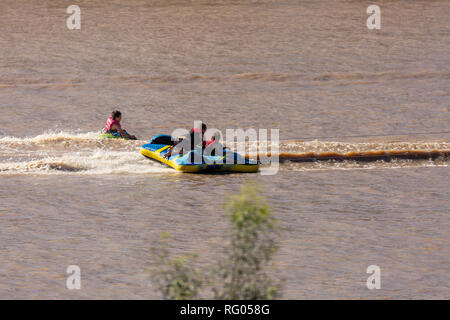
(312, 69)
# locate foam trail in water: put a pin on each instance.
(86, 153)
(97, 162)
(50, 136)
(81, 153)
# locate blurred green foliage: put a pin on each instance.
(241, 274)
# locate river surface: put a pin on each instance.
(311, 69)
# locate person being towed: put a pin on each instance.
(113, 126)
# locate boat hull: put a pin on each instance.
(209, 163)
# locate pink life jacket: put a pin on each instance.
(210, 142)
(109, 123)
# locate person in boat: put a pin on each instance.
(195, 134)
(213, 144)
(214, 141)
(113, 126)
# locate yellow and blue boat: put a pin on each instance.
(227, 162)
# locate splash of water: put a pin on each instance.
(86, 153)
(65, 152)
